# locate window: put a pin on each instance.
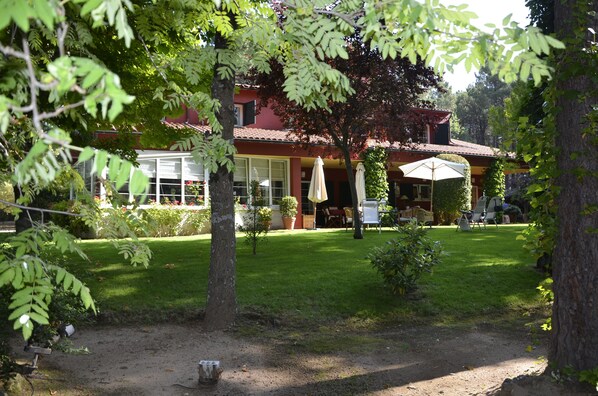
(148, 167)
(179, 180)
(271, 175)
(238, 115)
(169, 181)
(195, 185)
(245, 113)
(421, 192)
(172, 180)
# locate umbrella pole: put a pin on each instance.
(432, 196)
(315, 210)
(432, 192)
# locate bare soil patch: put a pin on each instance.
(162, 359)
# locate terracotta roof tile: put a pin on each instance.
(244, 133)
(269, 135)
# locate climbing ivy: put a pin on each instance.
(494, 179)
(376, 182)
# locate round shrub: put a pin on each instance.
(402, 261)
(514, 213)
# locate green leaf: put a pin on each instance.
(7, 276)
(113, 167)
(89, 6)
(20, 311)
(123, 174)
(87, 153)
(38, 318)
(60, 273)
(139, 182)
(45, 12)
(68, 281)
(99, 162)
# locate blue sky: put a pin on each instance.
(488, 12)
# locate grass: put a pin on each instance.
(322, 276)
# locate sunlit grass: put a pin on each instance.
(323, 275)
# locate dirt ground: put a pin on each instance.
(163, 360)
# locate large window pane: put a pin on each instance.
(279, 177)
(240, 180)
(260, 171)
(169, 174)
(193, 177)
(148, 167)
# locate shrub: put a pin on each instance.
(164, 221)
(168, 220)
(256, 222)
(452, 195)
(514, 213)
(288, 206)
(74, 224)
(402, 261)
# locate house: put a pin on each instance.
(266, 153)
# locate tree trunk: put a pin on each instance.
(221, 302)
(574, 335)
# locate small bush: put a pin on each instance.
(164, 222)
(74, 224)
(514, 213)
(402, 261)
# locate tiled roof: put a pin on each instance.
(253, 134)
(269, 135)
(457, 147)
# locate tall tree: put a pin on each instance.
(575, 264)
(385, 90)
(221, 303)
(472, 106)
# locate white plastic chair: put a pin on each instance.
(369, 210)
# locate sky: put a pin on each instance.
(488, 11)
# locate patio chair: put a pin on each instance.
(369, 210)
(334, 217)
(494, 206)
(476, 216)
(348, 217)
(479, 212)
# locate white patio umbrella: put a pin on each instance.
(433, 169)
(360, 183)
(317, 186)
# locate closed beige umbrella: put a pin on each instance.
(360, 183)
(317, 187)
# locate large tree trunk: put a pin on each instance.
(221, 302)
(575, 269)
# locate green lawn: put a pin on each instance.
(323, 275)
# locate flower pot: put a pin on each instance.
(289, 222)
(308, 221)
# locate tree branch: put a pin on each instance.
(7, 203)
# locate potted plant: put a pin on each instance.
(265, 216)
(288, 211)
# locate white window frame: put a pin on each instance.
(238, 115)
(158, 156)
(249, 178)
(419, 189)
